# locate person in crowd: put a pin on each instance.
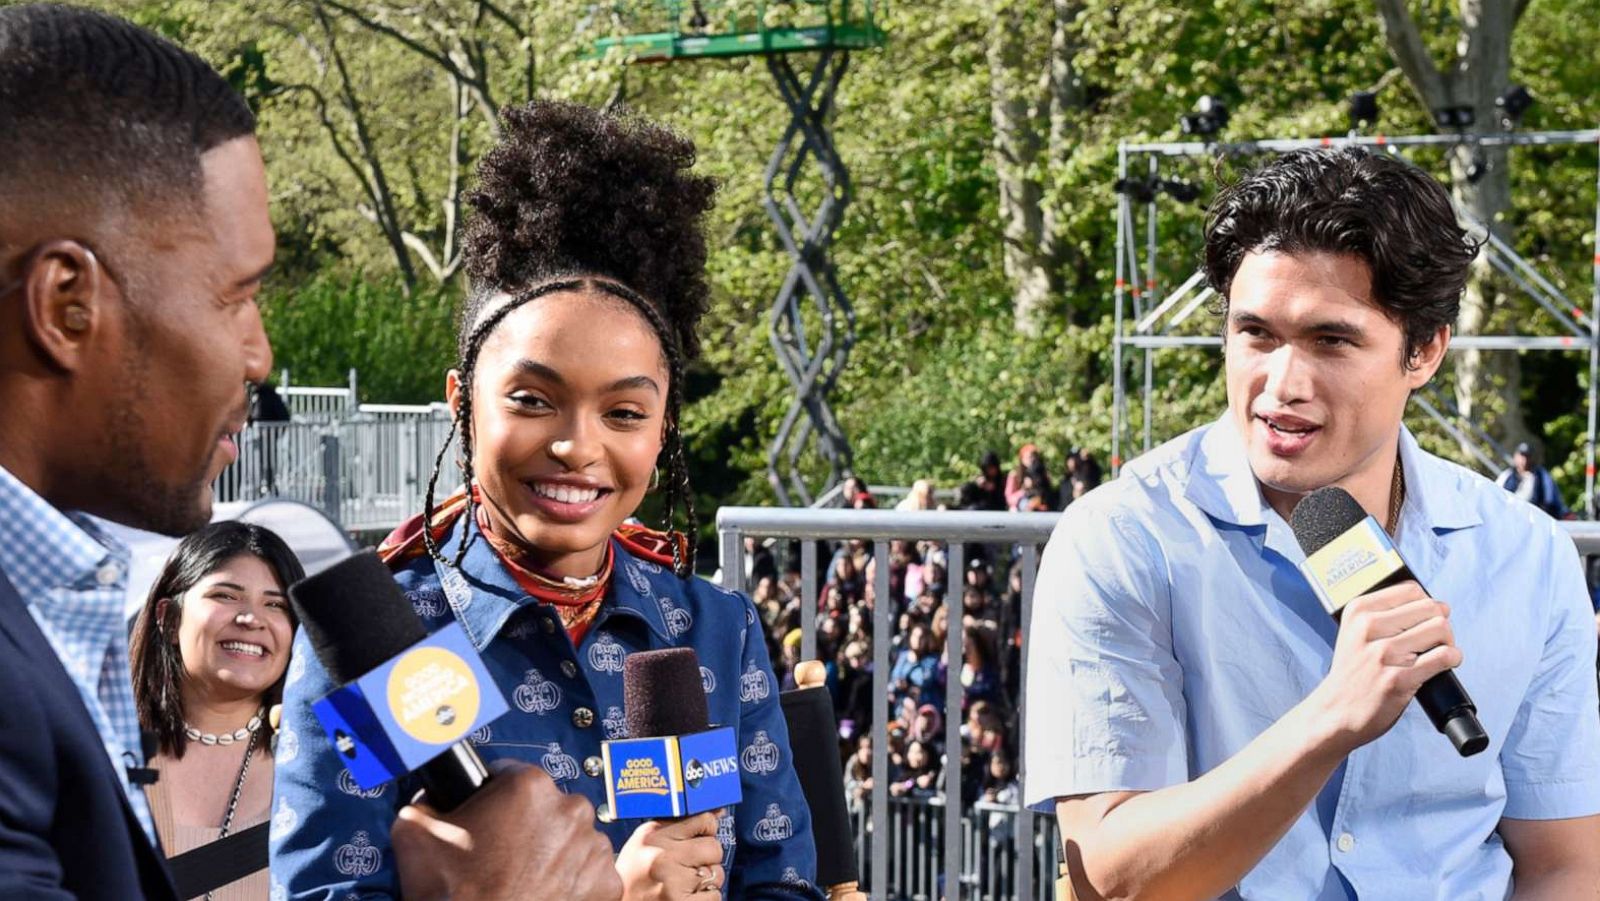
(1198, 721)
(586, 259)
(1529, 480)
(758, 561)
(980, 672)
(919, 777)
(915, 674)
(999, 786)
(987, 490)
(854, 703)
(855, 494)
(921, 497)
(858, 775)
(849, 579)
(1030, 480)
(209, 652)
(928, 725)
(267, 406)
(1086, 471)
(984, 730)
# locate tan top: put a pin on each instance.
(176, 839)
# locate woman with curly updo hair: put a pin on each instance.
(587, 263)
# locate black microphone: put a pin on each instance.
(356, 619)
(814, 742)
(1348, 555)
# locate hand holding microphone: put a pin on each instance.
(405, 701)
(1394, 640)
(519, 836)
(1390, 642)
(665, 860)
(676, 768)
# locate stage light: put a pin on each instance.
(1455, 117)
(1512, 104)
(1363, 109)
(1139, 190)
(1181, 191)
(1477, 167)
(1209, 117)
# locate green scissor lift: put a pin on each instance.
(673, 30)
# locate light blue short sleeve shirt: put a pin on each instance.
(1171, 626)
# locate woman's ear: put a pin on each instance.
(163, 608)
(452, 391)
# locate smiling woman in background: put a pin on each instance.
(209, 654)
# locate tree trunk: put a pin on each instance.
(1014, 111)
(1488, 383)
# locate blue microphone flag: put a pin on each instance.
(411, 708)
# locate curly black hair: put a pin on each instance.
(573, 198)
(1390, 214)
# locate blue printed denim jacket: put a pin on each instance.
(330, 839)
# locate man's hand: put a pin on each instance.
(518, 837)
(671, 860)
(1390, 642)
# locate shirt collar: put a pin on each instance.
(484, 594)
(47, 548)
(1221, 483)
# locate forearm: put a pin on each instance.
(1575, 882)
(1197, 839)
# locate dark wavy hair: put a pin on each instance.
(576, 199)
(1393, 216)
(156, 662)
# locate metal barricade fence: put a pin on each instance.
(988, 842)
(366, 475)
(1027, 530)
(929, 847)
(318, 404)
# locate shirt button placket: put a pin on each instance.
(1346, 842)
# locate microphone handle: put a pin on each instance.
(1443, 697)
(452, 777)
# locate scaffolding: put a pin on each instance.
(812, 356)
(1153, 317)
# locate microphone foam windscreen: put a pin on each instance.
(355, 616)
(814, 741)
(1322, 516)
(663, 693)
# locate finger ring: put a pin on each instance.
(704, 873)
(707, 886)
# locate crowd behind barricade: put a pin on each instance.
(922, 594)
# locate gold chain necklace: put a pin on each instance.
(1397, 497)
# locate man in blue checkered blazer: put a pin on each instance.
(133, 239)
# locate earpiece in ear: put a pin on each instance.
(75, 318)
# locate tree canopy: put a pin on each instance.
(978, 251)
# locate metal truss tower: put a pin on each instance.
(811, 322)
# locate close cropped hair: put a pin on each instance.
(86, 94)
(1391, 215)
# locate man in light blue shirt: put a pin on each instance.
(1197, 721)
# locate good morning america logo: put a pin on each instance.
(695, 772)
(642, 776)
